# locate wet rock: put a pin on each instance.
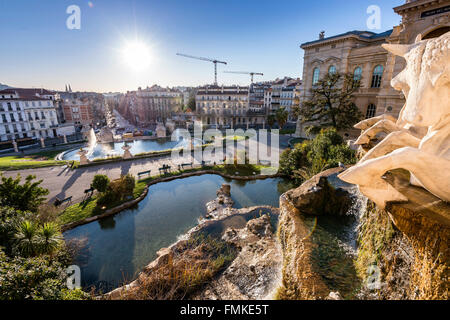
(255, 272)
(222, 205)
(260, 227)
(317, 197)
(334, 296)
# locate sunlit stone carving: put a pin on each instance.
(127, 154)
(160, 130)
(419, 140)
(105, 135)
(83, 156)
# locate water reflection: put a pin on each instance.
(120, 246)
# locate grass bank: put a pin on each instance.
(35, 160)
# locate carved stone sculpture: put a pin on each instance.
(14, 143)
(160, 130)
(105, 135)
(419, 140)
(83, 156)
(42, 142)
(127, 154)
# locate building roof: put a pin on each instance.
(363, 35)
(28, 94)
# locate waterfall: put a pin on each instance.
(357, 210)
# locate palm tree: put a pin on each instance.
(26, 237)
(282, 117)
(50, 238)
(271, 120)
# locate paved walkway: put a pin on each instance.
(63, 182)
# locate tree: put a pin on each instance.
(26, 197)
(191, 103)
(331, 104)
(100, 182)
(271, 120)
(282, 116)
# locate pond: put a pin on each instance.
(116, 249)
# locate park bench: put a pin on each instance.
(59, 202)
(183, 165)
(164, 169)
(143, 173)
(88, 193)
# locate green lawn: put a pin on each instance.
(31, 161)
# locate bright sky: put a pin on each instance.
(37, 49)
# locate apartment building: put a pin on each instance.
(27, 114)
(151, 105)
(227, 107)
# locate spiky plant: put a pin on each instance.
(50, 239)
(26, 238)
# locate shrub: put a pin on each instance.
(100, 182)
(30, 278)
(117, 191)
(26, 197)
(311, 157)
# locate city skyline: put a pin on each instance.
(250, 36)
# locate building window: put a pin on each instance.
(316, 74)
(376, 77)
(357, 74)
(371, 110)
(332, 70)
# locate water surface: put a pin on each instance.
(118, 247)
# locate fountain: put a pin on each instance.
(419, 140)
(92, 142)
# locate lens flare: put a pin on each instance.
(136, 55)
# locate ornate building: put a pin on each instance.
(360, 53)
(226, 107)
(151, 105)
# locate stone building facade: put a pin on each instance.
(360, 53)
(227, 107)
(147, 107)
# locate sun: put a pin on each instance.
(136, 55)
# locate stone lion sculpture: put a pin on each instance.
(419, 140)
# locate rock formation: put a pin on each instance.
(419, 140)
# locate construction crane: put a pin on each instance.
(244, 72)
(215, 61)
